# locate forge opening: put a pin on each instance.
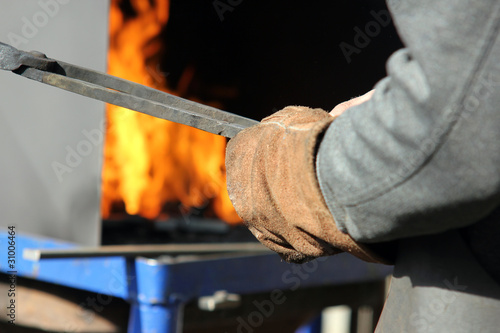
(252, 60)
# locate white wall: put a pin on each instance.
(42, 191)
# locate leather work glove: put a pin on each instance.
(272, 184)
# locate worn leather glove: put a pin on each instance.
(272, 184)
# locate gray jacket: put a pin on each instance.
(422, 157)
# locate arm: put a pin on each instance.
(340, 108)
(419, 157)
(422, 156)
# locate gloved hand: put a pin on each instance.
(272, 184)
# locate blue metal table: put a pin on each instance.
(157, 289)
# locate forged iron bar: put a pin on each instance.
(144, 250)
(120, 92)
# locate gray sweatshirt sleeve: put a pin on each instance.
(423, 155)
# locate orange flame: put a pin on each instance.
(150, 162)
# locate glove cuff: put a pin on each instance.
(273, 186)
(307, 182)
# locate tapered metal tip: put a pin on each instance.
(10, 57)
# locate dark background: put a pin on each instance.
(264, 56)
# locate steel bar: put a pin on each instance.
(120, 92)
(143, 250)
(141, 91)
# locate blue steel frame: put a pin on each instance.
(158, 288)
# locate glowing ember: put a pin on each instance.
(149, 162)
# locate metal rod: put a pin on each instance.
(143, 250)
(140, 98)
(120, 92)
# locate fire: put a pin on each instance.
(150, 163)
